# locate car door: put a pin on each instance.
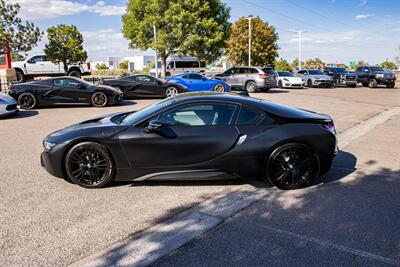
(198, 82)
(146, 86)
(362, 74)
(68, 91)
(35, 65)
(200, 132)
(50, 67)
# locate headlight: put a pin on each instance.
(48, 145)
(379, 75)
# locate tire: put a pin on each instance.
(251, 86)
(27, 100)
(89, 165)
(265, 89)
(372, 83)
(335, 83)
(390, 85)
(292, 166)
(219, 88)
(99, 99)
(353, 86)
(365, 84)
(280, 84)
(309, 84)
(75, 73)
(20, 76)
(171, 91)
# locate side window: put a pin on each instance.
(143, 79)
(301, 72)
(249, 116)
(253, 70)
(200, 115)
(66, 82)
(45, 58)
(195, 76)
(268, 71)
(243, 70)
(36, 59)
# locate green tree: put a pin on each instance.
(185, 27)
(360, 63)
(16, 36)
(65, 45)
(282, 65)
(313, 63)
(17, 56)
(388, 65)
(295, 64)
(101, 66)
(264, 46)
(124, 65)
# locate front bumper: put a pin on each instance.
(51, 161)
(322, 83)
(293, 85)
(385, 80)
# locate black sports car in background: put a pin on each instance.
(64, 90)
(195, 136)
(141, 85)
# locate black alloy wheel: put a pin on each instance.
(99, 99)
(89, 165)
(292, 166)
(27, 100)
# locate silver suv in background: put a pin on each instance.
(315, 78)
(249, 78)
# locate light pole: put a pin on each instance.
(249, 18)
(299, 36)
(155, 50)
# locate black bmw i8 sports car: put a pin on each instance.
(64, 90)
(195, 136)
(142, 85)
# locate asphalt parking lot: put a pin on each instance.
(350, 217)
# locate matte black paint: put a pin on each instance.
(208, 148)
(133, 89)
(47, 93)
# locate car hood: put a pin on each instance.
(6, 98)
(319, 76)
(100, 127)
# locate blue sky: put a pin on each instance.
(336, 30)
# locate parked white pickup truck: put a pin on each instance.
(40, 65)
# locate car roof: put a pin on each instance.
(268, 106)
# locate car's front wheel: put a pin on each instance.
(99, 99)
(309, 83)
(89, 165)
(219, 88)
(251, 87)
(292, 166)
(372, 83)
(390, 85)
(171, 91)
(27, 101)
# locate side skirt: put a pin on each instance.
(187, 175)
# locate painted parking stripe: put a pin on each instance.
(165, 237)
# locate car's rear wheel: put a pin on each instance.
(99, 99)
(251, 87)
(20, 76)
(372, 83)
(75, 73)
(219, 88)
(171, 91)
(27, 100)
(292, 166)
(89, 165)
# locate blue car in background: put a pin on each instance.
(195, 82)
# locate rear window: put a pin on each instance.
(249, 116)
(268, 70)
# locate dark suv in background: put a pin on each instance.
(249, 78)
(341, 76)
(373, 76)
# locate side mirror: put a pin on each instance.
(154, 126)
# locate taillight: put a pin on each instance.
(330, 126)
(264, 74)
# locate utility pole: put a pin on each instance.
(249, 18)
(299, 36)
(155, 50)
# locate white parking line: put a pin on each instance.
(165, 237)
(328, 244)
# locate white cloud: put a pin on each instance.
(48, 9)
(364, 16)
(363, 3)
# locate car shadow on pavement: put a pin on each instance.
(351, 221)
(21, 115)
(277, 91)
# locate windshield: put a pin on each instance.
(340, 70)
(315, 72)
(285, 74)
(377, 69)
(136, 117)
